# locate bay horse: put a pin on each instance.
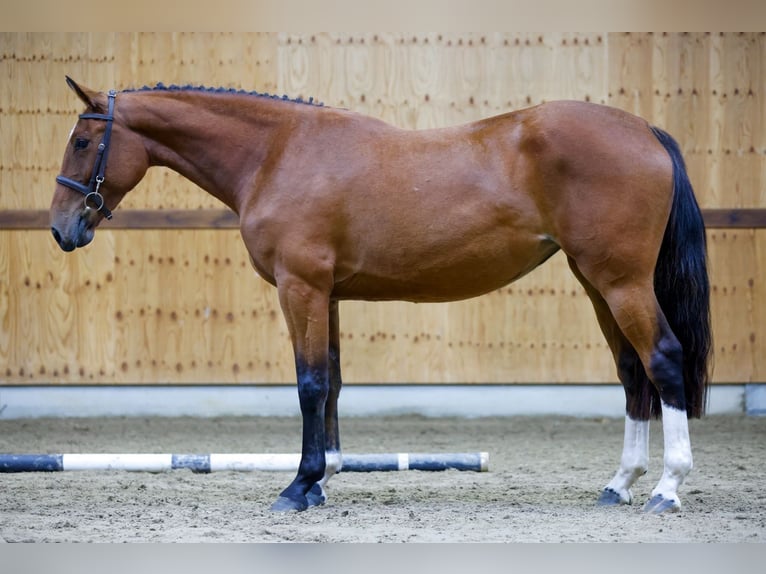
(334, 206)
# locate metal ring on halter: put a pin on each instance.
(97, 197)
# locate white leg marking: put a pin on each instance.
(635, 459)
(678, 454)
(333, 464)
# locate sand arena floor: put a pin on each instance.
(545, 475)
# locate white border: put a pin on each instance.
(356, 400)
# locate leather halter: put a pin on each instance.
(90, 191)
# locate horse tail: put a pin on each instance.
(682, 286)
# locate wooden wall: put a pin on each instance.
(176, 305)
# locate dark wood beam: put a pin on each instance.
(734, 218)
(226, 219)
(132, 219)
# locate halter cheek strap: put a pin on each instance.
(93, 198)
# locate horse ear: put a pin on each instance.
(89, 97)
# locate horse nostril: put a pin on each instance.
(65, 244)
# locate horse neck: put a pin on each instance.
(217, 141)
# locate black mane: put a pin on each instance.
(192, 88)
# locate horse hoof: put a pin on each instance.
(610, 497)
(284, 504)
(316, 496)
(659, 504)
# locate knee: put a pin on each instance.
(313, 386)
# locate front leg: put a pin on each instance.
(306, 311)
(333, 455)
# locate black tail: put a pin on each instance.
(682, 286)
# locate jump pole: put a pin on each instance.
(245, 462)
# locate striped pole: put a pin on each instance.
(473, 461)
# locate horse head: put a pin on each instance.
(103, 160)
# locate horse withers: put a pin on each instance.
(334, 205)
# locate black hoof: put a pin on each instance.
(609, 497)
(659, 504)
(284, 504)
(315, 496)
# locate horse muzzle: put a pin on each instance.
(78, 232)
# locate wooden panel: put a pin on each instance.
(200, 314)
(53, 313)
(736, 262)
(630, 73)
(178, 302)
(136, 307)
(539, 329)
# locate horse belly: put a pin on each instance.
(468, 270)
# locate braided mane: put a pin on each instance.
(192, 88)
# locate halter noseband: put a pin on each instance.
(90, 191)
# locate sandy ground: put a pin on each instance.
(545, 475)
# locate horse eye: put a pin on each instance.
(81, 143)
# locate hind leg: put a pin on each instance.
(637, 313)
(633, 464)
(677, 459)
(635, 451)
